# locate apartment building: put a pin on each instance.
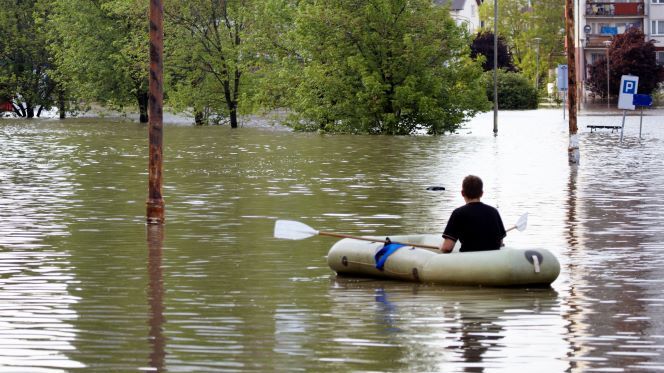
(599, 21)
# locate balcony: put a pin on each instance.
(596, 41)
(613, 9)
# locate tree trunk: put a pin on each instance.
(41, 107)
(142, 97)
(29, 111)
(62, 107)
(18, 110)
(199, 118)
(233, 115)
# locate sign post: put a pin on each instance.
(641, 100)
(628, 88)
(561, 74)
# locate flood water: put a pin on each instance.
(86, 286)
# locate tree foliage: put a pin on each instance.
(514, 90)
(100, 49)
(384, 66)
(24, 59)
(629, 54)
(533, 30)
(483, 46)
(212, 54)
(360, 66)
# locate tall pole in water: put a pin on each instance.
(495, 67)
(537, 40)
(573, 148)
(155, 202)
(607, 43)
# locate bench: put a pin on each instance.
(612, 128)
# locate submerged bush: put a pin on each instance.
(515, 92)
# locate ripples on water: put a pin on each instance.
(83, 285)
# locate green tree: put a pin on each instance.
(25, 61)
(514, 90)
(533, 30)
(100, 49)
(483, 45)
(629, 54)
(212, 56)
(384, 66)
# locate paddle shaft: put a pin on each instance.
(339, 235)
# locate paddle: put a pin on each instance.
(520, 224)
(294, 230)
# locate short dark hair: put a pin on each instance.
(472, 187)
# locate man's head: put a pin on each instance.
(472, 187)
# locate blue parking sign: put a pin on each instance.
(629, 87)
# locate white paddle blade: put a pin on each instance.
(522, 222)
(293, 230)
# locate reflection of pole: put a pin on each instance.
(495, 67)
(622, 128)
(155, 237)
(608, 76)
(573, 148)
(155, 202)
(641, 123)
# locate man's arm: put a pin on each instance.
(447, 246)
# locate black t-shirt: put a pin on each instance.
(478, 227)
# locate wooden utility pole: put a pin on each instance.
(573, 148)
(155, 202)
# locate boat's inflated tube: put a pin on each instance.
(504, 267)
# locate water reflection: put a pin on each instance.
(155, 293)
(37, 307)
(219, 293)
(444, 329)
(608, 316)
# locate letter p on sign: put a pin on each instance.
(629, 87)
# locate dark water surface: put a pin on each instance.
(85, 286)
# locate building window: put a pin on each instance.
(597, 56)
(658, 1)
(660, 58)
(657, 27)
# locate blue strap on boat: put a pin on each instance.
(384, 252)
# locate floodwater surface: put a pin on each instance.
(86, 286)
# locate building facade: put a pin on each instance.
(465, 12)
(599, 21)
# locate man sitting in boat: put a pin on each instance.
(476, 225)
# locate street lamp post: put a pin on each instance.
(608, 76)
(537, 40)
(495, 67)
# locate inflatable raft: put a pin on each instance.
(504, 267)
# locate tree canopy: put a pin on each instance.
(629, 54)
(483, 46)
(532, 29)
(25, 61)
(100, 50)
(384, 66)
